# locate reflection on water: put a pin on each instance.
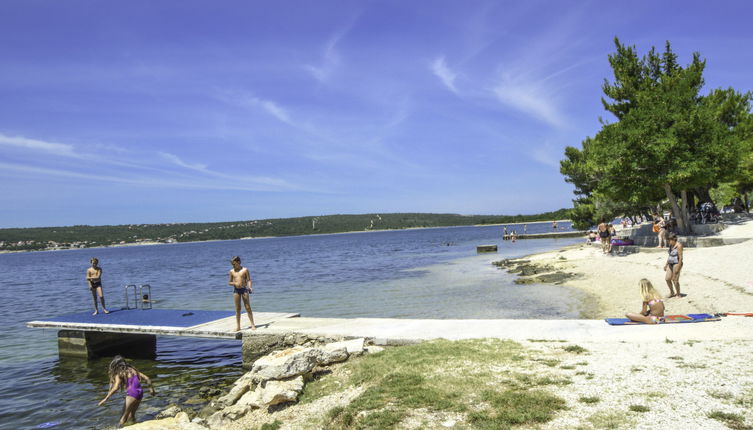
(405, 274)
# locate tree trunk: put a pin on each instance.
(703, 195)
(685, 216)
(676, 210)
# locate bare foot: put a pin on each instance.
(105, 311)
(238, 329)
(253, 327)
(95, 313)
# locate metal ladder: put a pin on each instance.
(143, 295)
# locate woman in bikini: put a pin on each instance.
(652, 311)
(674, 266)
(123, 375)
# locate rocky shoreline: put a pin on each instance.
(274, 382)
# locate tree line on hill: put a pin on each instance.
(669, 145)
(84, 236)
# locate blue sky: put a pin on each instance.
(179, 111)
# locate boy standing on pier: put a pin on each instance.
(240, 280)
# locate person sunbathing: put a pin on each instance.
(652, 310)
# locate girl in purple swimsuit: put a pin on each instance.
(123, 375)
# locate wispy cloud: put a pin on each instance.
(546, 154)
(442, 71)
(39, 145)
(244, 99)
(530, 97)
(330, 60)
(179, 162)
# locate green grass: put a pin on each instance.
(576, 349)
(610, 420)
(549, 362)
(721, 395)
(271, 426)
(589, 400)
(639, 408)
(458, 377)
(582, 363)
(569, 367)
(668, 340)
(731, 420)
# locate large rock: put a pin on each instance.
(275, 392)
(284, 364)
(353, 346)
(332, 355)
(240, 387)
(251, 399)
(170, 411)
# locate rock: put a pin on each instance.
(276, 392)
(218, 420)
(240, 387)
(332, 355)
(195, 400)
(256, 345)
(192, 426)
(252, 399)
(170, 411)
(373, 349)
(284, 364)
(353, 346)
(182, 418)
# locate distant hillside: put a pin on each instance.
(84, 236)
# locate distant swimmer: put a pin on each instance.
(554, 225)
(94, 279)
(240, 280)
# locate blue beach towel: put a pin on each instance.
(669, 319)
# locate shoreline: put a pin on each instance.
(712, 278)
(150, 243)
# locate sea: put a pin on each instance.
(420, 273)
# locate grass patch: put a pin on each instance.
(271, 426)
(582, 363)
(610, 420)
(731, 420)
(576, 349)
(513, 407)
(668, 340)
(691, 342)
(691, 366)
(676, 358)
(589, 400)
(636, 369)
(321, 386)
(746, 400)
(639, 408)
(654, 395)
(721, 395)
(451, 376)
(549, 362)
(570, 367)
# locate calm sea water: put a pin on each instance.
(430, 273)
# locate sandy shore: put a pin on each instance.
(715, 279)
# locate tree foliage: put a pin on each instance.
(667, 142)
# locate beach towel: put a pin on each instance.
(669, 319)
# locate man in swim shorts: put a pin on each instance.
(240, 280)
(94, 278)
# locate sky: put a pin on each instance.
(196, 111)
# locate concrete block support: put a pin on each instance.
(92, 344)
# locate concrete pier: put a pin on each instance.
(134, 332)
(92, 344)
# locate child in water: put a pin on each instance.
(123, 375)
(652, 311)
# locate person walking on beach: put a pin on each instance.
(673, 267)
(661, 223)
(240, 280)
(125, 376)
(652, 310)
(94, 279)
(604, 235)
